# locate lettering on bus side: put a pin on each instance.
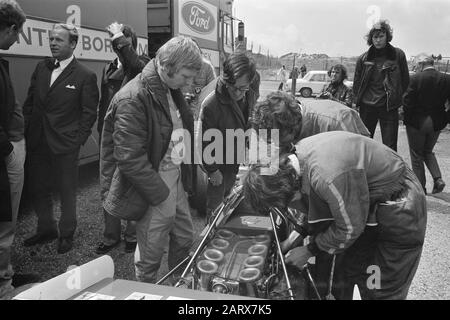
(197, 17)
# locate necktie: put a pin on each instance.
(55, 73)
(53, 65)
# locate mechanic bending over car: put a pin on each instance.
(296, 120)
(363, 204)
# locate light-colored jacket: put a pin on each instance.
(328, 115)
(283, 74)
(347, 179)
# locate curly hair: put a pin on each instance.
(341, 68)
(266, 191)
(380, 26)
(279, 111)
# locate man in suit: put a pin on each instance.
(116, 74)
(59, 111)
(12, 151)
(425, 117)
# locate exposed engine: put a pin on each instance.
(239, 255)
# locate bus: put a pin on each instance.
(209, 22)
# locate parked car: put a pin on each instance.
(313, 83)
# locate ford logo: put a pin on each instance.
(197, 17)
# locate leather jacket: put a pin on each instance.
(395, 74)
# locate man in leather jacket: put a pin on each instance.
(142, 158)
(381, 78)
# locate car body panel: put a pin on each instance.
(316, 80)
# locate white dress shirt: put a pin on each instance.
(62, 65)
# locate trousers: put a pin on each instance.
(421, 144)
(167, 224)
(15, 167)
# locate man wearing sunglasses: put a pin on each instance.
(227, 108)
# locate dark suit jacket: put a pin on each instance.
(426, 96)
(64, 112)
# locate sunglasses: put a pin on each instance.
(241, 89)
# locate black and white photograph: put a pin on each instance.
(250, 151)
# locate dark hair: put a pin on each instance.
(129, 32)
(339, 67)
(288, 121)
(11, 14)
(236, 66)
(266, 191)
(380, 26)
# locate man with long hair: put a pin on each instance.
(228, 108)
(337, 90)
(381, 78)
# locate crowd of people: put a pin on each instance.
(365, 207)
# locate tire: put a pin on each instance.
(198, 199)
(306, 92)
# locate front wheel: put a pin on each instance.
(306, 92)
(198, 199)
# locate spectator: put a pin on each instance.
(425, 117)
(116, 74)
(343, 181)
(297, 120)
(228, 108)
(60, 110)
(141, 156)
(381, 78)
(283, 74)
(294, 73)
(303, 70)
(337, 90)
(12, 151)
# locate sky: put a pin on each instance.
(338, 27)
